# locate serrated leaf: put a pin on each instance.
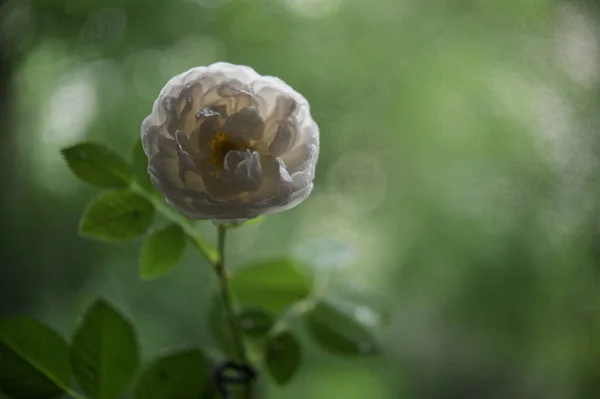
(338, 333)
(34, 360)
(161, 251)
(140, 167)
(182, 375)
(97, 165)
(271, 285)
(117, 216)
(283, 357)
(104, 352)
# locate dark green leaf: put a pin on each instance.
(271, 285)
(339, 333)
(283, 357)
(97, 165)
(182, 375)
(104, 352)
(140, 167)
(161, 252)
(117, 216)
(34, 360)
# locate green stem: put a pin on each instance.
(227, 299)
(202, 245)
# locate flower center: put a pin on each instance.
(220, 145)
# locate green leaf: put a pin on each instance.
(97, 165)
(161, 252)
(271, 285)
(140, 167)
(182, 375)
(117, 216)
(104, 352)
(338, 333)
(283, 357)
(34, 360)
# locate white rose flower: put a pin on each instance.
(225, 143)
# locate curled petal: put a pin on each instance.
(245, 125)
(301, 158)
(283, 140)
(245, 168)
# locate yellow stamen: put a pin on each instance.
(221, 144)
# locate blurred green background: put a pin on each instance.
(457, 194)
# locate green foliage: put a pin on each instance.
(97, 165)
(140, 167)
(161, 251)
(34, 360)
(219, 328)
(181, 375)
(117, 216)
(338, 333)
(256, 220)
(272, 285)
(283, 357)
(104, 352)
(256, 323)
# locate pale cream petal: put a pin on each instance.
(301, 158)
(284, 139)
(284, 108)
(234, 97)
(292, 200)
(185, 151)
(245, 169)
(164, 173)
(244, 125)
(242, 73)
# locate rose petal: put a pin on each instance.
(246, 169)
(284, 108)
(185, 151)
(301, 158)
(204, 135)
(283, 140)
(292, 200)
(276, 180)
(244, 125)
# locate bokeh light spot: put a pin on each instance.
(314, 8)
(361, 178)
